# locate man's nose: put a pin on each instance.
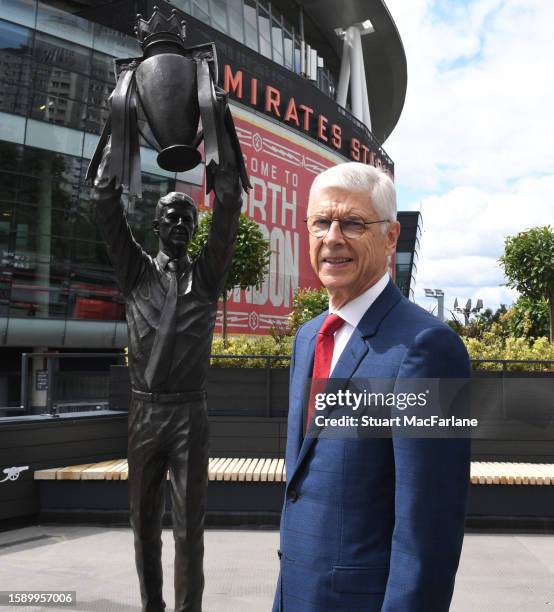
(334, 235)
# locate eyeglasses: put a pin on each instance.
(351, 227)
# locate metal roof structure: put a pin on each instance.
(383, 51)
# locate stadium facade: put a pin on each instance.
(311, 85)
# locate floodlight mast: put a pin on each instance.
(467, 310)
(438, 294)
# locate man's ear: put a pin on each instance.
(393, 233)
(156, 226)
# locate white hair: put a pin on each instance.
(355, 176)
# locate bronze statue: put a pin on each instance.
(171, 307)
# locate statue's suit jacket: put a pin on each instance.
(374, 525)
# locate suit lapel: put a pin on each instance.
(346, 365)
(348, 362)
(300, 385)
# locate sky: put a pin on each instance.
(474, 146)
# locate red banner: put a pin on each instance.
(281, 166)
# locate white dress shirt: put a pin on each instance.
(352, 313)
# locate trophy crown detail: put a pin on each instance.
(158, 24)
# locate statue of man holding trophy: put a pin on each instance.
(171, 302)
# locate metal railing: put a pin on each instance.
(507, 362)
(50, 375)
(269, 362)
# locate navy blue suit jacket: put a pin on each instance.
(374, 525)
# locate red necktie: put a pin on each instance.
(322, 359)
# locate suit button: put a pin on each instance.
(292, 495)
(279, 554)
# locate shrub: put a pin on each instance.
(307, 304)
(258, 345)
(494, 346)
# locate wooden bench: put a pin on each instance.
(220, 469)
(250, 491)
(273, 470)
(503, 473)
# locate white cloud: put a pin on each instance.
(478, 104)
(475, 136)
(463, 237)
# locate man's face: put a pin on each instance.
(349, 266)
(175, 226)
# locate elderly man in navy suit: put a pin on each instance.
(368, 524)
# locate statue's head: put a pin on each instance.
(175, 222)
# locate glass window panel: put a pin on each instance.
(92, 292)
(6, 251)
(95, 118)
(61, 111)
(115, 43)
(66, 55)
(12, 128)
(89, 146)
(103, 68)
(8, 189)
(20, 11)
(99, 92)
(297, 55)
(15, 69)
(288, 50)
(263, 24)
(60, 83)
(236, 22)
(218, 11)
(15, 39)
(202, 4)
(61, 23)
(200, 10)
(37, 247)
(235, 5)
(250, 15)
(10, 156)
(14, 98)
(251, 37)
(265, 47)
(403, 257)
(53, 137)
(277, 40)
(184, 5)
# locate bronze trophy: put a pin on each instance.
(172, 86)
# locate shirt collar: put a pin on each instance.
(182, 263)
(353, 311)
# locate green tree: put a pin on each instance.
(528, 318)
(250, 261)
(307, 304)
(528, 263)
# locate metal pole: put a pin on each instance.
(440, 306)
(24, 395)
(355, 84)
(50, 372)
(366, 118)
(301, 23)
(268, 388)
(344, 77)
